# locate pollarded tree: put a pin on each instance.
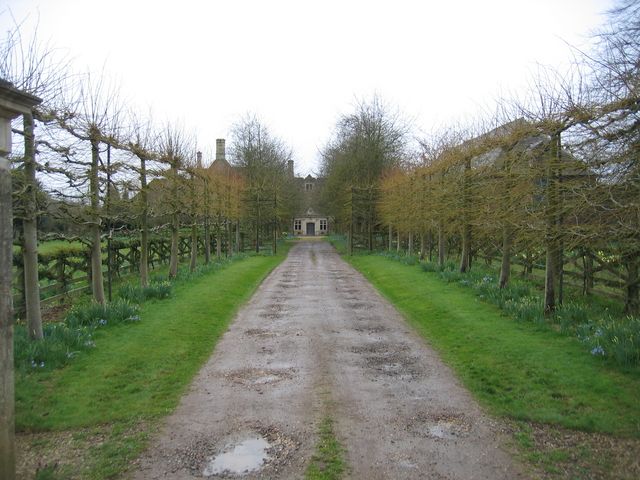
(142, 143)
(174, 146)
(94, 121)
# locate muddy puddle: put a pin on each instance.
(245, 457)
(441, 427)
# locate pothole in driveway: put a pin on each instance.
(256, 377)
(372, 329)
(394, 364)
(259, 332)
(351, 291)
(244, 457)
(274, 310)
(445, 426)
(246, 450)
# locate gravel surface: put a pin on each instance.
(317, 340)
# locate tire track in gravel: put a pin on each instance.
(316, 339)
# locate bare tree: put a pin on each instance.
(142, 143)
(174, 147)
(95, 121)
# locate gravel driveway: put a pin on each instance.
(317, 340)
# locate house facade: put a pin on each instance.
(309, 220)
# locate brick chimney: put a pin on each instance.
(199, 159)
(290, 167)
(220, 149)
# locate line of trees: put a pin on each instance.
(552, 176)
(92, 166)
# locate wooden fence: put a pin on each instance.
(67, 271)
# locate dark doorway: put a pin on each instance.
(311, 228)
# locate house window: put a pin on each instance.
(308, 187)
(297, 225)
(323, 225)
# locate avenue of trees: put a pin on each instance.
(92, 167)
(554, 178)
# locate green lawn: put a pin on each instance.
(517, 370)
(572, 416)
(138, 372)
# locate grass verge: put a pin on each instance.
(520, 371)
(327, 463)
(107, 402)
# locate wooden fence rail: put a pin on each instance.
(67, 271)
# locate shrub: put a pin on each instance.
(429, 267)
(525, 309)
(618, 339)
(95, 314)
(411, 260)
(570, 315)
(137, 294)
(451, 276)
(59, 345)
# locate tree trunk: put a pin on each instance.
(551, 240)
(194, 247)
(257, 229)
(238, 247)
(410, 244)
(144, 225)
(442, 246)
(175, 239)
(175, 220)
(218, 241)
(207, 241)
(465, 257)
(632, 290)
(350, 239)
(423, 245)
(505, 268)
(274, 239)
(550, 281)
(587, 275)
(398, 242)
(7, 395)
(97, 282)
(229, 238)
(30, 231)
(390, 237)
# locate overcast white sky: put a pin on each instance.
(300, 64)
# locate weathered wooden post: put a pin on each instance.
(13, 103)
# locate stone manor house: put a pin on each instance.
(308, 219)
